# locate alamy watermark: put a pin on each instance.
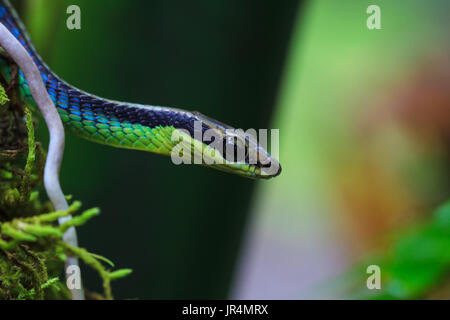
(73, 277)
(373, 22)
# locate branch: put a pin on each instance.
(56, 130)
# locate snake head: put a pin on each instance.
(217, 145)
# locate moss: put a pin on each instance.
(32, 252)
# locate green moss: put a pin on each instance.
(32, 252)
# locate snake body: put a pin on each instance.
(128, 125)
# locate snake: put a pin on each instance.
(185, 136)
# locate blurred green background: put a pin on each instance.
(364, 140)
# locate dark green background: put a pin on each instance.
(178, 227)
